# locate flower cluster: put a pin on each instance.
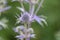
(24, 32)
(27, 17)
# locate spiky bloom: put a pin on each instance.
(27, 17)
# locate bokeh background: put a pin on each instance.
(50, 9)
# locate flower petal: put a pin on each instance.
(32, 35)
(38, 20)
(21, 9)
(20, 36)
(6, 8)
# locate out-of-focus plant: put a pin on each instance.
(3, 23)
(3, 6)
(25, 31)
(57, 35)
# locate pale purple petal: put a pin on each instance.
(32, 35)
(38, 19)
(15, 30)
(22, 27)
(20, 36)
(6, 8)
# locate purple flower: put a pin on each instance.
(20, 36)
(26, 32)
(26, 17)
(40, 20)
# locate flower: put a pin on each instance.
(27, 17)
(21, 30)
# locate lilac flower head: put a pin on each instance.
(25, 17)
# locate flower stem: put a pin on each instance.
(22, 4)
(39, 6)
(26, 33)
(32, 8)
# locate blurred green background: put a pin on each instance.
(50, 9)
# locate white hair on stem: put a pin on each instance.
(39, 6)
(22, 4)
(32, 8)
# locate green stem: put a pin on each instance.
(0, 13)
(26, 27)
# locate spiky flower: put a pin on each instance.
(27, 17)
(21, 30)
